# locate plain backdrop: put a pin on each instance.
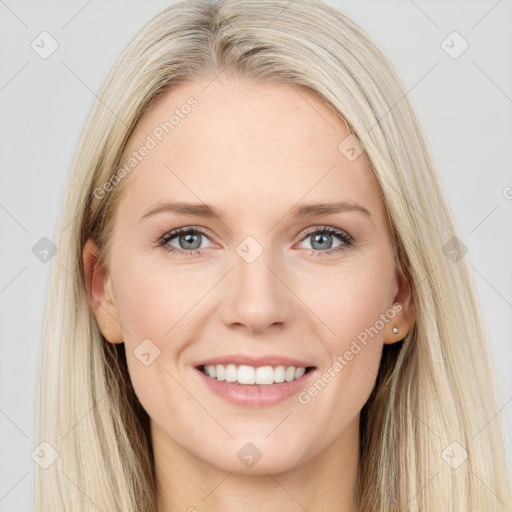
(464, 104)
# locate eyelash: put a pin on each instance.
(344, 237)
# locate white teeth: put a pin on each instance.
(246, 374)
(231, 374)
(299, 372)
(220, 372)
(290, 373)
(279, 373)
(263, 375)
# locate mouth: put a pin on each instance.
(260, 384)
(247, 375)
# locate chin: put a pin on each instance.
(258, 456)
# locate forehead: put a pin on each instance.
(252, 146)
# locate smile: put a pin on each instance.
(255, 386)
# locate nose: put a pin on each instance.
(257, 298)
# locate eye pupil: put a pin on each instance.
(188, 238)
(321, 237)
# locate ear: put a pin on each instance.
(99, 291)
(404, 317)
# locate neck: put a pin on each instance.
(326, 482)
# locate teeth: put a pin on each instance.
(263, 375)
(279, 373)
(231, 373)
(247, 375)
(299, 372)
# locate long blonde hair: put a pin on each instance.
(435, 395)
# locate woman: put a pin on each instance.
(248, 369)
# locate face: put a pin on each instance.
(249, 280)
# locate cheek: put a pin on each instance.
(353, 298)
(155, 307)
(151, 300)
(357, 310)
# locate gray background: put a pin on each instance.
(464, 103)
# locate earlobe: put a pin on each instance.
(395, 335)
(99, 293)
(398, 328)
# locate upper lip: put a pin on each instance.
(256, 361)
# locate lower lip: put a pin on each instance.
(255, 395)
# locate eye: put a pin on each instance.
(323, 239)
(188, 239)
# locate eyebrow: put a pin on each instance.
(299, 211)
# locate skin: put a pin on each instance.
(254, 151)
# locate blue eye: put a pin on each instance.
(324, 237)
(186, 236)
(190, 240)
